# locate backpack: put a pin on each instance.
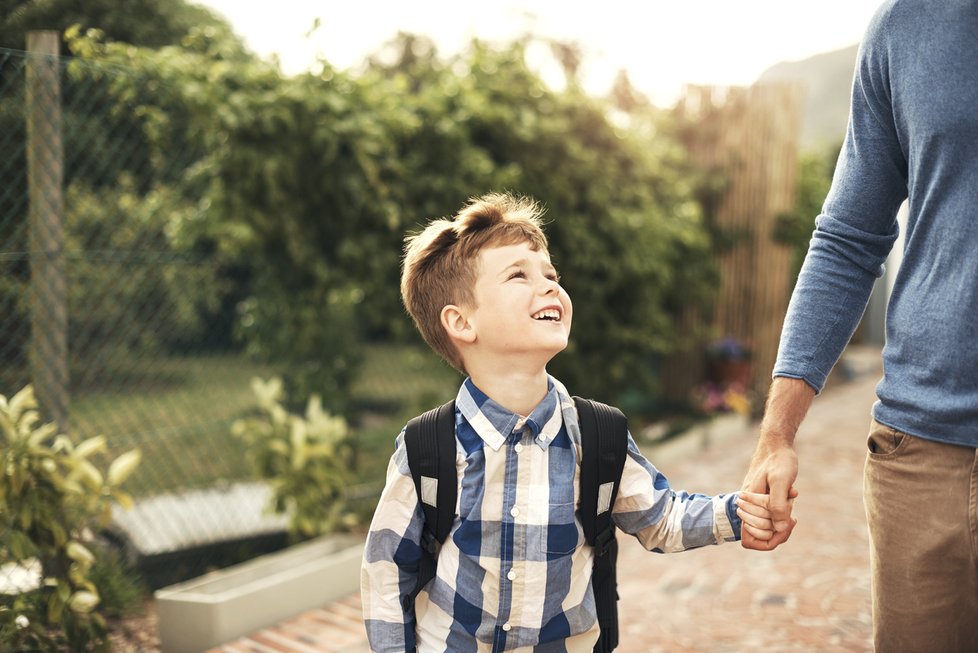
(430, 443)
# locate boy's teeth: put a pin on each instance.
(549, 314)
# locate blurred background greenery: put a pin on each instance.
(224, 221)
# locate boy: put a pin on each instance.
(514, 573)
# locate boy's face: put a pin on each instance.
(520, 307)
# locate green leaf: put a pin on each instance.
(42, 433)
(58, 532)
(20, 546)
(55, 608)
(27, 422)
(83, 602)
(77, 574)
(123, 467)
(21, 402)
(278, 446)
(9, 430)
(90, 446)
(88, 475)
(123, 499)
(79, 553)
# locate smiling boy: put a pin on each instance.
(515, 572)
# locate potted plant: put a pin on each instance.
(728, 362)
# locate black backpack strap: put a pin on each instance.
(430, 442)
(604, 445)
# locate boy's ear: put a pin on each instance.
(456, 323)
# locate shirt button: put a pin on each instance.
(507, 627)
(514, 511)
(511, 575)
(518, 448)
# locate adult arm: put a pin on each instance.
(774, 466)
(852, 238)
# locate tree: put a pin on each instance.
(625, 229)
(149, 23)
(312, 181)
(129, 183)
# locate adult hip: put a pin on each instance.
(922, 507)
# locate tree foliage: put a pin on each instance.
(623, 226)
(123, 182)
(149, 23)
(312, 181)
(301, 189)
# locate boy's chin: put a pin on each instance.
(557, 348)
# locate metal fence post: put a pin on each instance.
(45, 165)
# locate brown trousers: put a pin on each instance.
(922, 507)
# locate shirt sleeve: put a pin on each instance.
(666, 521)
(857, 227)
(390, 560)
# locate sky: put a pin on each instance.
(662, 44)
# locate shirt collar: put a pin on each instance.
(494, 424)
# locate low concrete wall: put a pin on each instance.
(227, 604)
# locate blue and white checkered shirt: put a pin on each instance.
(515, 573)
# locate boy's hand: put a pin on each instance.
(754, 510)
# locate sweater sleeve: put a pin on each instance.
(857, 227)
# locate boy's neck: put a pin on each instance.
(517, 390)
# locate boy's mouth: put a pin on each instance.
(548, 314)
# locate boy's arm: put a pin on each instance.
(390, 560)
(666, 521)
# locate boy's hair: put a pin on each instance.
(440, 262)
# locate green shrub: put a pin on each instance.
(307, 459)
(51, 497)
(794, 228)
(121, 591)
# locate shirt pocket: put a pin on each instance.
(560, 535)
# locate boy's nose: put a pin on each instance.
(549, 286)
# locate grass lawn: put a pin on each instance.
(402, 382)
(178, 411)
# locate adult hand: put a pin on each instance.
(774, 467)
(773, 471)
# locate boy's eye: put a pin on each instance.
(554, 277)
(518, 274)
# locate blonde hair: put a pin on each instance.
(440, 262)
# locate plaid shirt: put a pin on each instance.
(515, 572)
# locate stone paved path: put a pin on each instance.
(812, 594)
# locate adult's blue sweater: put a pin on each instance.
(912, 134)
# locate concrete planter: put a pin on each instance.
(204, 612)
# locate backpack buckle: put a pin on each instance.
(602, 541)
(429, 542)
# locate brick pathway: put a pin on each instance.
(812, 594)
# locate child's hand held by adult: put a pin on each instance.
(754, 510)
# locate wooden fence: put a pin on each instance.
(746, 140)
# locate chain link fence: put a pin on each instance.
(122, 330)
